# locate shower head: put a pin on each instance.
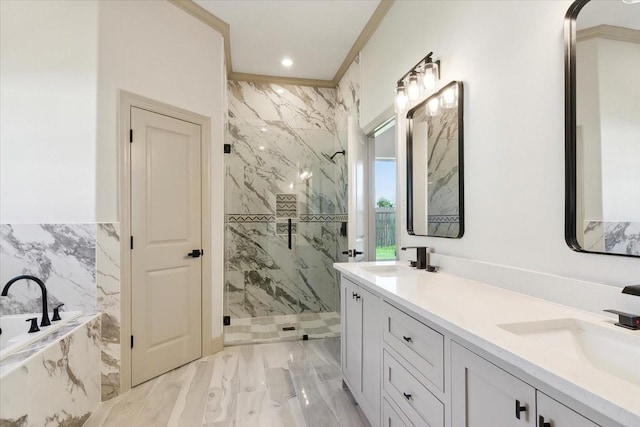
(343, 152)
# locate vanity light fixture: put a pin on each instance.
(427, 70)
(433, 107)
(401, 96)
(414, 89)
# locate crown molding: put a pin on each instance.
(211, 20)
(610, 32)
(363, 38)
(246, 77)
(222, 27)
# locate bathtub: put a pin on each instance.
(14, 328)
(53, 378)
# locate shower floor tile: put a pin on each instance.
(272, 328)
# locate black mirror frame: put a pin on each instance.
(570, 150)
(409, 168)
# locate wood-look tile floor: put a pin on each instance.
(294, 383)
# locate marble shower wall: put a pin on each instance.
(80, 265)
(282, 137)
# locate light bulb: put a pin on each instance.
(414, 89)
(449, 98)
(430, 77)
(401, 97)
(434, 106)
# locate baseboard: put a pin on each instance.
(217, 344)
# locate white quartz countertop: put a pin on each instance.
(473, 311)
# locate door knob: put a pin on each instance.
(195, 253)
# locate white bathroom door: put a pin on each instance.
(166, 244)
(357, 191)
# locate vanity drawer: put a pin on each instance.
(413, 398)
(391, 418)
(417, 343)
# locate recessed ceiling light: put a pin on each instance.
(261, 148)
(279, 91)
(263, 129)
(287, 62)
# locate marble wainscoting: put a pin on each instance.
(80, 265)
(619, 237)
(443, 175)
(62, 255)
(108, 301)
(55, 381)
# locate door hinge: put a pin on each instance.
(131, 341)
(226, 320)
(227, 148)
(131, 242)
(130, 135)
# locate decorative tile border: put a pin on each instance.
(256, 218)
(342, 217)
(444, 219)
(244, 218)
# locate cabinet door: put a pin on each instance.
(352, 339)
(483, 394)
(371, 353)
(557, 415)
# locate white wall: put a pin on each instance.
(156, 50)
(509, 54)
(48, 78)
(619, 67)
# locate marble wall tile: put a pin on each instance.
(348, 95)
(299, 107)
(593, 236)
(108, 292)
(61, 383)
(62, 255)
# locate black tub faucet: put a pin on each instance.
(45, 314)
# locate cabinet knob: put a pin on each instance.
(407, 396)
(407, 339)
(541, 422)
(519, 409)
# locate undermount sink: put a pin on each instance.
(602, 348)
(385, 270)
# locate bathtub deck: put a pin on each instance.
(294, 383)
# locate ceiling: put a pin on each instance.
(317, 35)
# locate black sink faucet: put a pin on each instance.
(45, 313)
(421, 256)
(627, 320)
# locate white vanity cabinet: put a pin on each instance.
(484, 394)
(362, 347)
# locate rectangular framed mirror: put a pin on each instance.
(435, 196)
(602, 127)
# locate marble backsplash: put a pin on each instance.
(80, 265)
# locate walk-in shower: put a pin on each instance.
(285, 208)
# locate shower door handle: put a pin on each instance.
(289, 226)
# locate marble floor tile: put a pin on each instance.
(276, 328)
(284, 384)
